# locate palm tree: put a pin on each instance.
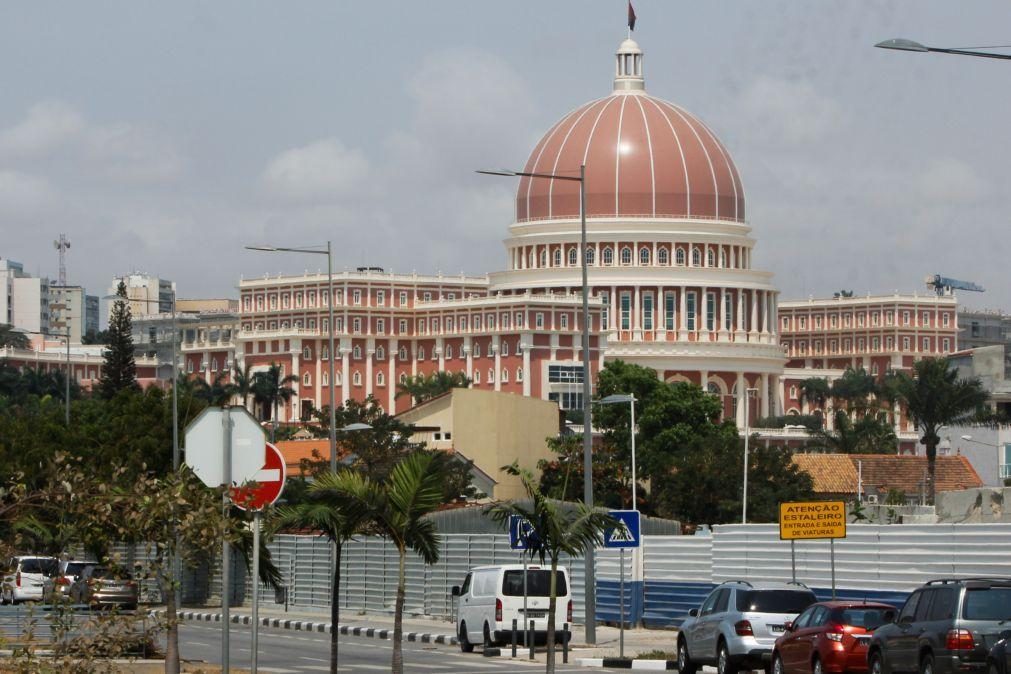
(559, 530)
(218, 392)
(321, 512)
(867, 435)
(425, 387)
(242, 382)
(270, 389)
(395, 509)
(817, 391)
(934, 396)
(855, 387)
(10, 337)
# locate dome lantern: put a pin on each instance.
(628, 68)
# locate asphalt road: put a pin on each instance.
(288, 652)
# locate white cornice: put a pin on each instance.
(710, 277)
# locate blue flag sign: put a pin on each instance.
(521, 533)
(626, 535)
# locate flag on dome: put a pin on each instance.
(631, 16)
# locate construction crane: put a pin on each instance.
(943, 285)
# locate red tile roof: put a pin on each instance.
(838, 473)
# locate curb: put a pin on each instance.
(312, 626)
(628, 663)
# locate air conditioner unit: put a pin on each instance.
(872, 499)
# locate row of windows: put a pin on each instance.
(356, 352)
(625, 253)
(356, 378)
(669, 318)
(295, 300)
(861, 318)
(507, 321)
(861, 344)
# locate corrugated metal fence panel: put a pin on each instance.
(683, 558)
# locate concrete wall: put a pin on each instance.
(973, 506)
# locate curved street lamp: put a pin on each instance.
(903, 44)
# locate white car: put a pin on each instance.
(492, 597)
(28, 578)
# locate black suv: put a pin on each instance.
(946, 626)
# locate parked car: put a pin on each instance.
(945, 626)
(69, 570)
(999, 658)
(738, 624)
(101, 586)
(28, 578)
(492, 596)
(830, 636)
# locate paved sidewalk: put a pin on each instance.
(429, 630)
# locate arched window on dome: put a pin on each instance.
(590, 257)
(626, 255)
(608, 256)
(544, 258)
(573, 257)
(679, 257)
(711, 258)
(696, 257)
(663, 257)
(723, 258)
(644, 256)
(557, 258)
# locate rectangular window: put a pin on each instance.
(380, 298)
(889, 343)
(905, 318)
(833, 345)
(605, 312)
(817, 322)
(539, 320)
(356, 325)
(786, 322)
(357, 297)
(564, 318)
(477, 322)
(449, 324)
(876, 343)
(926, 344)
(463, 324)
(905, 344)
(565, 374)
(669, 311)
(728, 313)
(647, 311)
(710, 311)
(626, 311)
(690, 310)
(947, 345)
(945, 320)
(833, 320)
(519, 319)
(860, 320)
(427, 297)
(381, 326)
(403, 298)
(926, 320)
(402, 326)
(861, 344)
(847, 345)
(803, 323)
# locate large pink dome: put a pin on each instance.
(644, 157)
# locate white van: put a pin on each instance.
(492, 596)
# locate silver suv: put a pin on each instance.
(737, 625)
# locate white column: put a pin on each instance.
(740, 312)
(703, 311)
(753, 327)
(780, 393)
(703, 379)
(724, 328)
(391, 374)
(742, 399)
(527, 342)
(612, 319)
(370, 354)
(636, 315)
(498, 362)
(733, 257)
(345, 345)
(320, 389)
(683, 318)
(469, 349)
(765, 395)
(442, 353)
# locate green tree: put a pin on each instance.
(321, 510)
(562, 477)
(816, 391)
(270, 389)
(119, 371)
(561, 528)
(395, 509)
(242, 382)
(935, 396)
(855, 388)
(423, 387)
(12, 339)
(218, 392)
(870, 434)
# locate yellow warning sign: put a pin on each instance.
(812, 519)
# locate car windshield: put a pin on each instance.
(774, 601)
(39, 565)
(538, 583)
(868, 618)
(987, 603)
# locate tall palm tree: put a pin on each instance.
(270, 389)
(934, 396)
(242, 382)
(817, 391)
(395, 509)
(855, 387)
(869, 434)
(218, 392)
(322, 512)
(558, 531)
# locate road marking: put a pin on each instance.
(306, 657)
(418, 665)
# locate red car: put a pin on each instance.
(830, 636)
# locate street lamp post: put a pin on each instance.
(620, 398)
(902, 44)
(318, 250)
(591, 600)
(747, 438)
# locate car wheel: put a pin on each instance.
(816, 667)
(876, 664)
(723, 663)
(777, 664)
(488, 643)
(927, 664)
(465, 644)
(685, 664)
(993, 669)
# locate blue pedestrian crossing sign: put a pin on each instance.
(521, 533)
(626, 534)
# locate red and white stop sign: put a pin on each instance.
(270, 483)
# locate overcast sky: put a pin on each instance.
(163, 136)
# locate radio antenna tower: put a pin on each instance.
(62, 245)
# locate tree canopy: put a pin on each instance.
(119, 371)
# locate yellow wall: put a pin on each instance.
(493, 429)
